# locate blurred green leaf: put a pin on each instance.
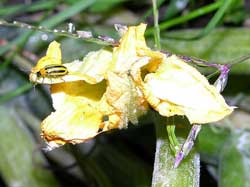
(14, 93)
(104, 5)
(174, 7)
(237, 13)
(93, 172)
(239, 119)
(234, 165)
(125, 163)
(76, 49)
(77, 7)
(20, 164)
(149, 12)
(221, 46)
(12, 10)
(211, 139)
(108, 157)
(215, 19)
(184, 18)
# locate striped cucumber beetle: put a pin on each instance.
(49, 69)
(48, 73)
(52, 71)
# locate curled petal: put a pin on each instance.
(77, 117)
(177, 88)
(71, 124)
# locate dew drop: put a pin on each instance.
(84, 34)
(71, 27)
(106, 38)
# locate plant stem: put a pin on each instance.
(156, 25)
(186, 175)
(164, 172)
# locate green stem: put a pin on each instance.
(175, 145)
(186, 175)
(149, 12)
(156, 25)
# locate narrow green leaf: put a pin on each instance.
(196, 13)
(49, 23)
(216, 19)
(77, 7)
(8, 96)
(101, 6)
(22, 8)
(20, 165)
(213, 22)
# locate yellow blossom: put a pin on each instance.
(110, 88)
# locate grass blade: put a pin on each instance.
(10, 95)
(182, 19)
(51, 22)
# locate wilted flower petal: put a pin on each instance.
(77, 116)
(177, 88)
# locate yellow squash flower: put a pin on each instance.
(112, 87)
(176, 88)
